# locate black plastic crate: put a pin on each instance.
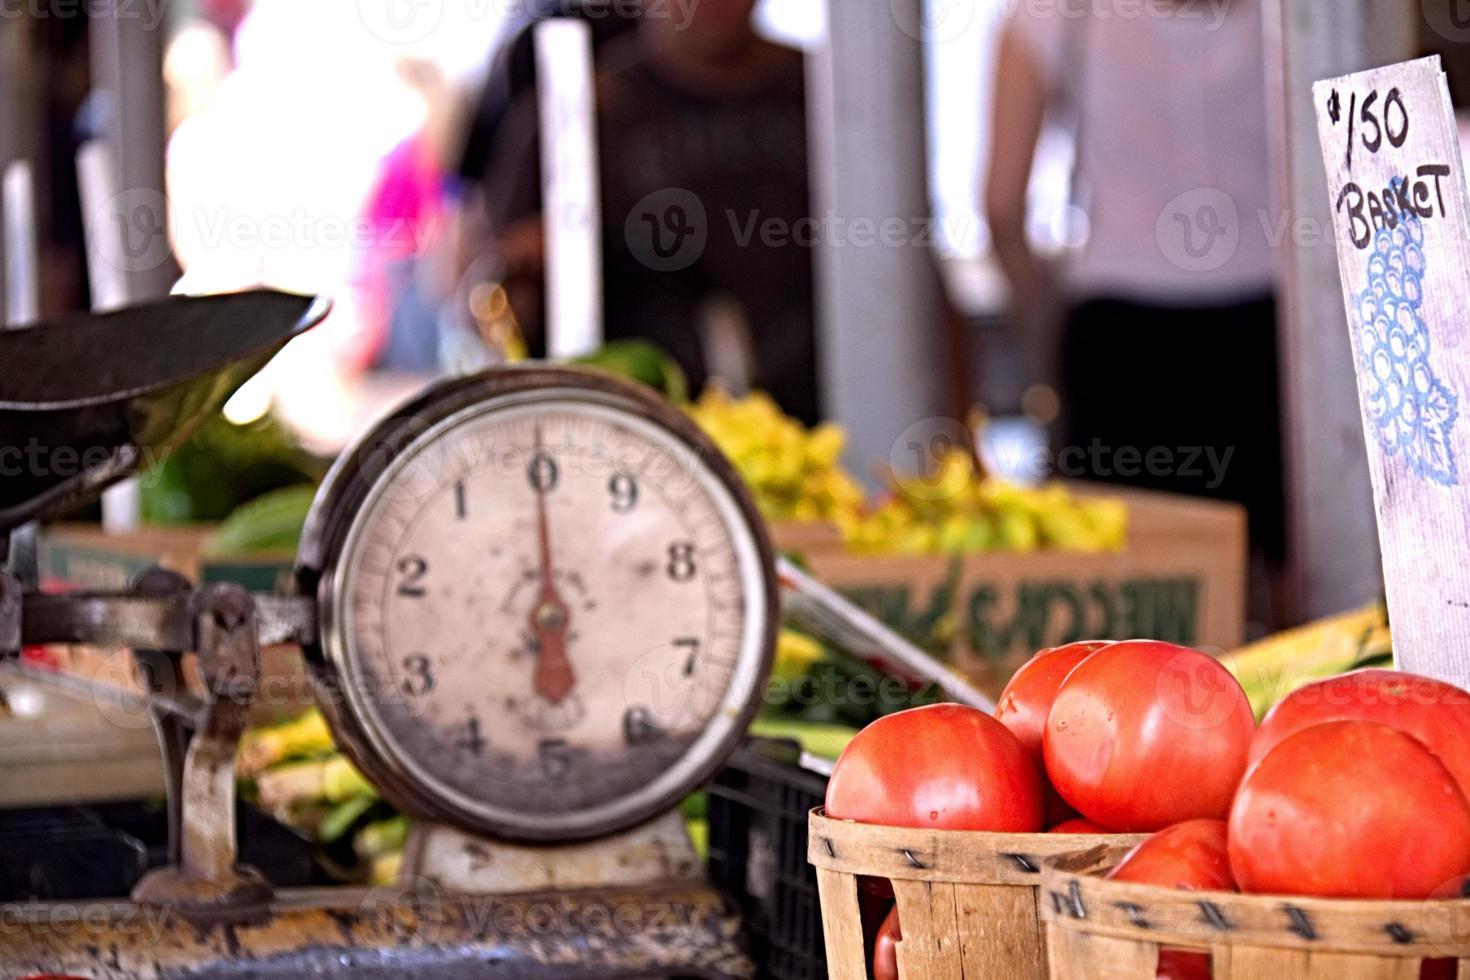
(757, 814)
(65, 853)
(101, 850)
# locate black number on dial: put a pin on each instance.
(461, 505)
(624, 490)
(467, 737)
(420, 679)
(690, 643)
(639, 728)
(556, 758)
(681, 561)
(413, 569)
(542, 473)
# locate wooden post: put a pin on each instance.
(14, 42)
(878, 300)
(1332, 537)
(126, 41)
(105, 226)
(570, 188)
(18, 212)
(1402, 221)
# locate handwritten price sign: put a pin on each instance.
(1391, 148)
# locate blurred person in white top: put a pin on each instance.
(1168, 337)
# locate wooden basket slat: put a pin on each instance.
(1255, 962)
(931, 941)
(1464, 970)
(935, 855)
(842, 925)
(1090, 956)
(999, 930)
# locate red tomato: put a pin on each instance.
(875, 901)
(1145, 734)
(885, 948)
(1024, 704)
(1189, 855)
(1178, 964)
(943, 766)
(1077, 825)
(1436, 713)
(1349, 809)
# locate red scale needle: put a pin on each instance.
(550, 618)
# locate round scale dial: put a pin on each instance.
(547, 611)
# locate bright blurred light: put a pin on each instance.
(250, 403)
(26, 702)
(799, 23)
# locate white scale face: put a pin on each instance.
(551, 615)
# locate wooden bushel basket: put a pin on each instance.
(968, 902)
(1109, 930)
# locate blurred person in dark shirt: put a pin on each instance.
(704, 190)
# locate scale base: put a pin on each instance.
(658, 852)
(393, 931)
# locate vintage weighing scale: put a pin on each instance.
(538, 608)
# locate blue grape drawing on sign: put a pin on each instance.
(1410, 408)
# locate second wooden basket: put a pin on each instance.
(968, 902)
(1110, 930)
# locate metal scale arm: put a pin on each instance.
(161, 619)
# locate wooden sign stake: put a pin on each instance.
(1402, 224)
(570, 187)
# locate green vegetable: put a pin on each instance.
(221, 467)
(341, 819)
(642, 361)
(269, 523)
(305, 736)
(381, 837)
(827, 741)
(334, 780)
(698, 831)
(695, 806)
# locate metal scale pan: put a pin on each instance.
(85, 398)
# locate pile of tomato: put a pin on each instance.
(1353, 787)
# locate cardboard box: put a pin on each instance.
(83, 556)
(1181, 578)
